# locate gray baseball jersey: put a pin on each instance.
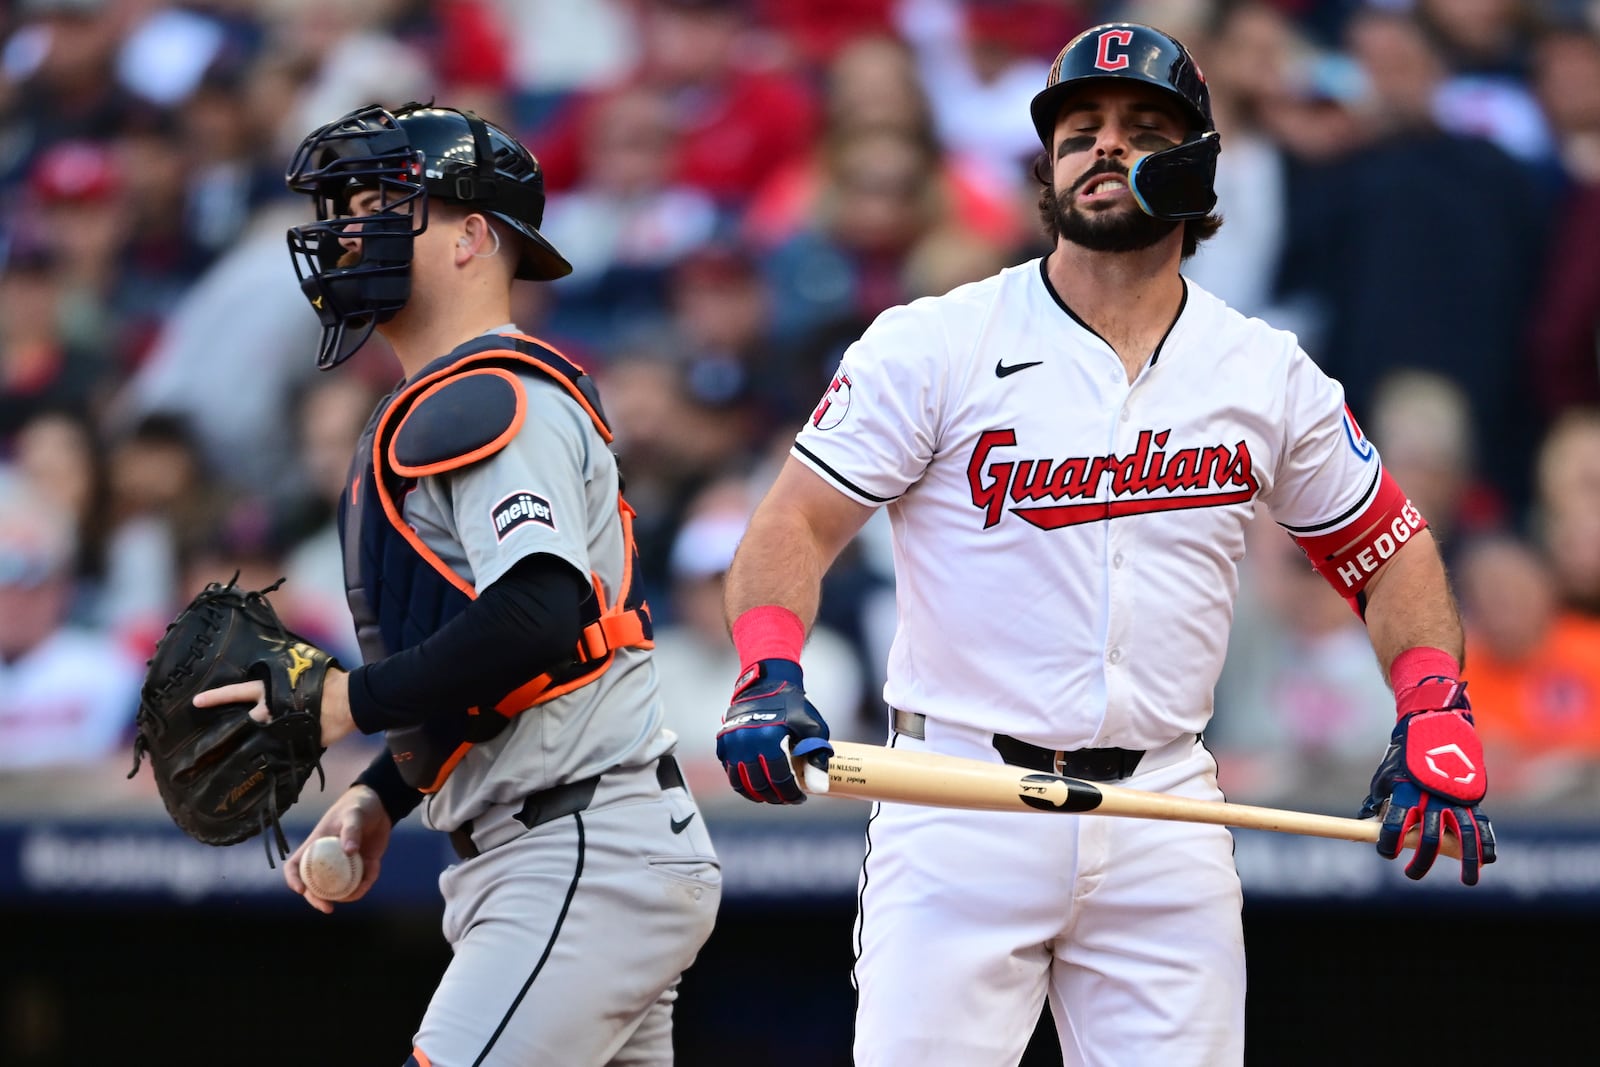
(568, 938)
(479, 522)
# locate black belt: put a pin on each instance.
(568, 798)
(1092, 764)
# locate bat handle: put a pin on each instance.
(812, 779)
(1449, 844)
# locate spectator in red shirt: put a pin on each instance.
(736, 119)
(818, 29)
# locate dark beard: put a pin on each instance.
(1125, 231)
(1120, 231)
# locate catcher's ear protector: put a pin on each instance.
(409, 156)
(1177, 182)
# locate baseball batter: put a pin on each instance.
(490, 566)
(1070, 452)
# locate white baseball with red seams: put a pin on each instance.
(1067, 547)
(328, 871)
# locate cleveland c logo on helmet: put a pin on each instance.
(1175, 183)
(1104, 60)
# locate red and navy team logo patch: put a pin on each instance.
(1358, 440)
(519, 509)
(835, 403)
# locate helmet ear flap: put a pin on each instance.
(1178, 183)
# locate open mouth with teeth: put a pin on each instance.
(1104, 187)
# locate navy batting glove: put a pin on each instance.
(1433, 777)
(770, 706)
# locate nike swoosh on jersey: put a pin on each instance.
(1001, 370)
(678, 825)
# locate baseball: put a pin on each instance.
(326, 870)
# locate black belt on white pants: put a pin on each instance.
(1091, 764)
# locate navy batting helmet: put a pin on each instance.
(411, 155)
(1175, 183)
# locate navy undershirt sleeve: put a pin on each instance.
(382, 776)
(526, 623)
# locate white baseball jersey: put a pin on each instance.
(1066, 543)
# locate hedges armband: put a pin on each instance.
(1349, 556)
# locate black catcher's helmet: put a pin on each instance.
(411, 155)
(1175, 183)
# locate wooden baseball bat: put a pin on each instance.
(873, 772)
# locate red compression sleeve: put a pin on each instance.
(1414, 664)
(768, 632)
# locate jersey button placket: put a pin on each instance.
(1118, 626)
(1118, 623)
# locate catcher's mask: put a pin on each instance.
(410, 156)
(1174, 183)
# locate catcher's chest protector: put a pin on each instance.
(400, 591)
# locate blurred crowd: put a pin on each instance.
(1413, 186)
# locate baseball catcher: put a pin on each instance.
(223, 774)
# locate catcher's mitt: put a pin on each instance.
(223, 776)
